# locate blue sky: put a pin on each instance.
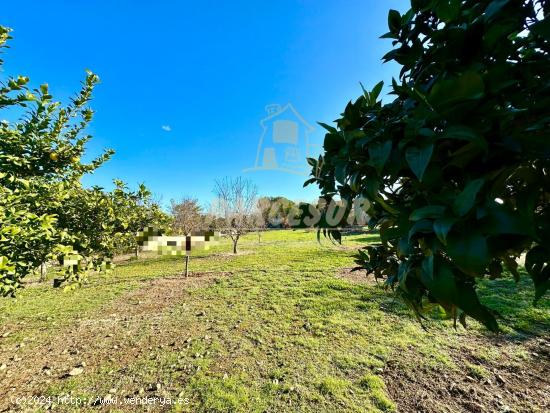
(205, 71)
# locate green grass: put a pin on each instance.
(281, 333)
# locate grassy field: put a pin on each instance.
(283, 326)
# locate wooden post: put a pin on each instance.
(186, 265)
(43, 272)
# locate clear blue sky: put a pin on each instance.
(205, 70)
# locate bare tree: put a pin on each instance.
(258, 221)
(187, 216)
(235, 205)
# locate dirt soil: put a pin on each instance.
(89, 342)
(525, 386)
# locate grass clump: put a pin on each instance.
(333, 386)
(376, 388)
(477, 371)
(226, 394)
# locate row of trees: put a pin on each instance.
(238, 210)
(235, 211)
(45, 213)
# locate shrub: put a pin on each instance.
(456, 167)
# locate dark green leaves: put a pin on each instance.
(458, 176)
(452, 291)
(494, 8)
(469, 251)
(428, 267)
(466, 200)
(430, 211)
(537, 264)
(466, 134)
(372, 96)
(394, 21)
(447, 10)
(467, 86)
(379, 153)
(375, 93)
(442, 226)
(333, 142)
(418, 159)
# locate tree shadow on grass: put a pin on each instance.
(519, 317)
(514, 304)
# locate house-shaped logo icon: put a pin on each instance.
(284, 144)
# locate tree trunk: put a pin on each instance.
(259, 237)
(186, 265)
(43, 272)
(235, 245)
(137, 252)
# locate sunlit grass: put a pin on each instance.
(281, 332)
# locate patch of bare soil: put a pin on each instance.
(358, 277)
(505, 386)
(116, 332)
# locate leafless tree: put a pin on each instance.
(235, 205)
(258, 221)
(187, 216)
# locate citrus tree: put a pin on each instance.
(134, 211)
(457, 166)
(103, 223)
(40, 166)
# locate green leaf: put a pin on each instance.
(542, 28)
(464, 133)
(468, 86)
(418, 159)
(340, 172)
(333, 142)
(329, 128)
(376, 91)
(494, 8)
(402, 272)
(537, 264)
(469, 252)
(391, 233)
(442, 226)
(466, 200)
(371, 186)
(403, 247)
(428, 267)
(379, 153)
(430, 211)
(449, 290)
(447, 10)
(500, 219)
(394, 21)
(424, 226)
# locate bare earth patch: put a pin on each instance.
(496, 387)
(109, 335)
(503, 386)
(358, 277)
